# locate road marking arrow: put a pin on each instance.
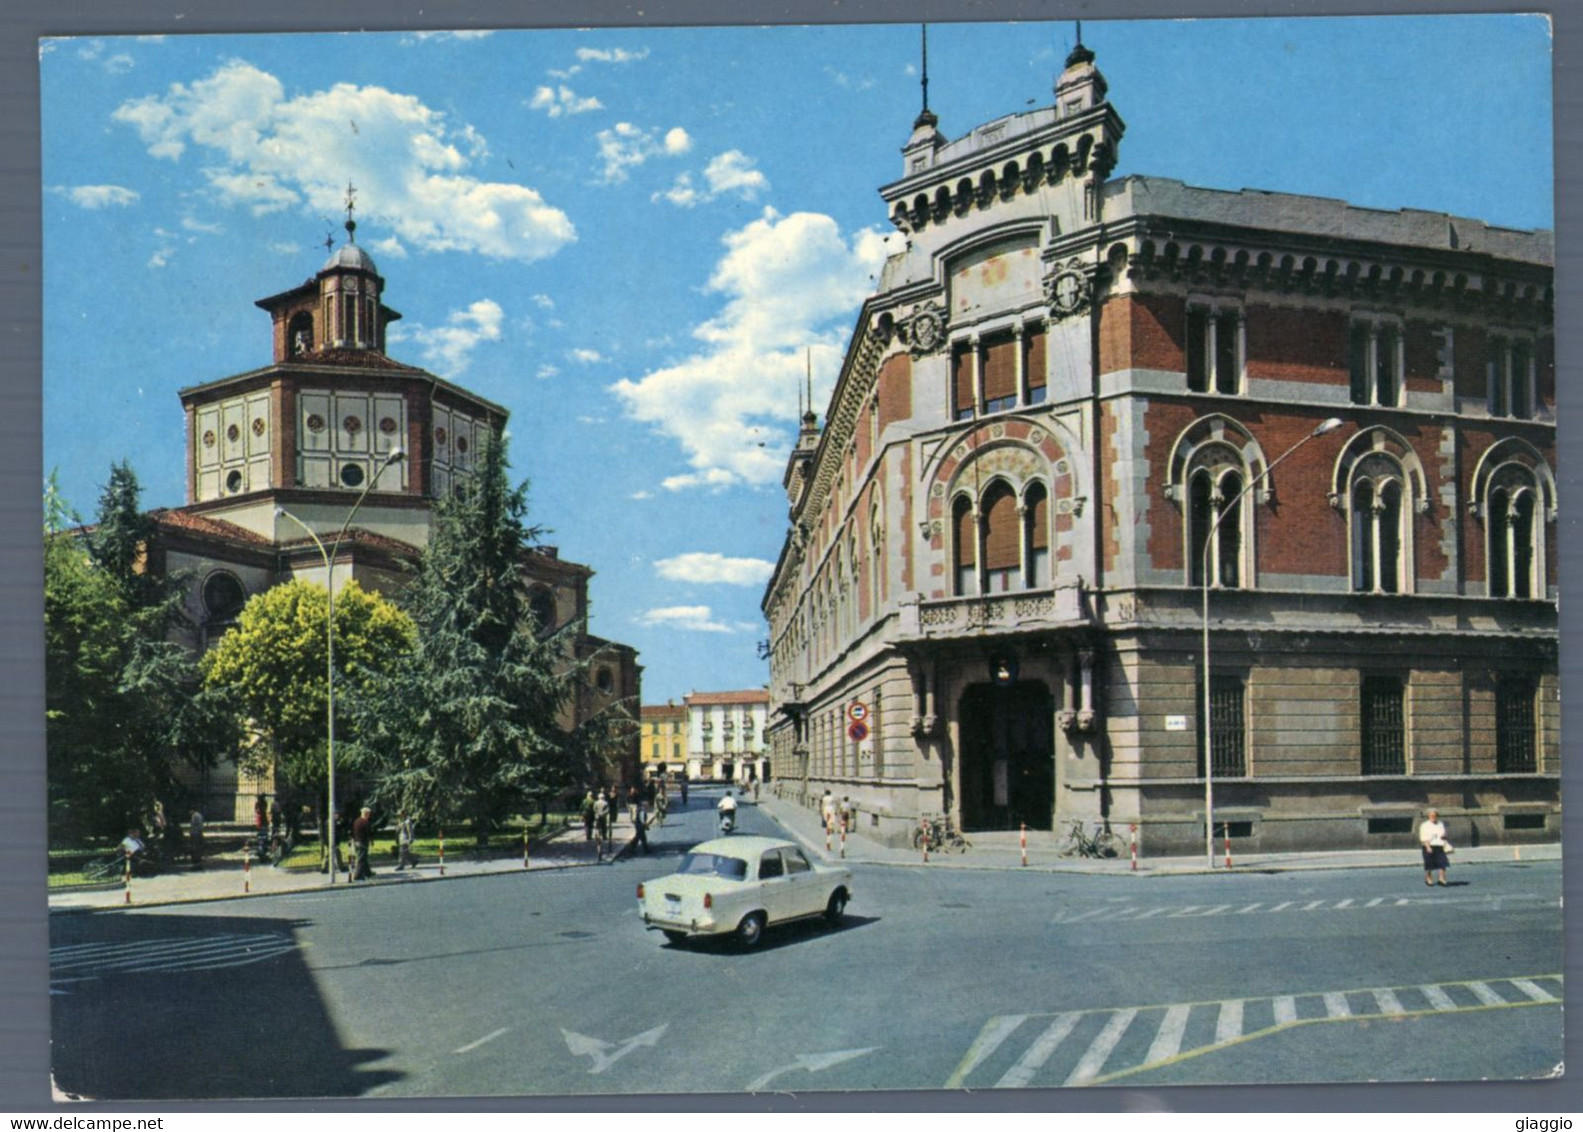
(812, 1062)
(581, 1045)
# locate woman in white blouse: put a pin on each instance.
(1432, 836)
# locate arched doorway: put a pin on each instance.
(1007, 772)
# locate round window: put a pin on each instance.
(232, 433)
(258, 426)
(351, 475)
(439, 437)
(353, 425)
(223, 596)
(208, 438)
(461, 444)
(315, 422)
(387, 425)
(233, 481)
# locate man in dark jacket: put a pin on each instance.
(362, 832)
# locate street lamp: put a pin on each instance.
(391, 457)
(1329, 425)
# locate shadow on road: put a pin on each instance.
(776, 937)
(193, 1007)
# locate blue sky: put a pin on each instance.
(633, 239)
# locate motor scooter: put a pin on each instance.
(728, 820)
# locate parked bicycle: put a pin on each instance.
(113, 867)
(939, 833)
(1101, 843)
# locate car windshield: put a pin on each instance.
(713, 865)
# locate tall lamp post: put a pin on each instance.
(1329, 425)
(391, 457)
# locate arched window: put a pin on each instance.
(1036, 536)
(541, 603)
(1378, 535)
(1002, 538)
(876, 564)
(964, 540)
(1210, 491)
(1512, 537)
(299, 335)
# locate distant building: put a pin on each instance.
(1057, 420)
(298, 439)
(726, 735)
(663, 739)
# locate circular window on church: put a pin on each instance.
(387, 425)
(232, 433)
(315, 422)
(439, 437)
(461, 444)
(208, 438)
(353, 425)
(233, 481)
(223, 596)
(258, 426)
(351, 475)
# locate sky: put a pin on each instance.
(636, 240)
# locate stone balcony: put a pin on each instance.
(1062, 606)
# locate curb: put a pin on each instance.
(377, 882)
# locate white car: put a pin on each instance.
(739, 886)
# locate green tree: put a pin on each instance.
(469, 725)
(123, 704)
(273, 665)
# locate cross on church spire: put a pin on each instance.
(351, 203)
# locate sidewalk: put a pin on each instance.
(1003, 851)
(224, 877)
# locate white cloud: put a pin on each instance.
(728, 172)
(624, 147)
(99, 196)
(441, 36)
(693, 618)
(615, 55)
(641, 495)
(119, 64)
(564, 74)
(207, 229)
(789, 284)
(280, 247)
(544, 302)
(585, 356)
(563, 100)
(841, 79)
(546, 371)
(263, 150)
(389, 248)
(708, 568)
(449, 349)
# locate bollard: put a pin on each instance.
(827, 837)
(247, 874)
(843, 842)
(128, 898)
(1227, 828)
(442, 850)
(926, 832)
(1517, 852)
(1134, 846)
(1024, 839)
(525, 847)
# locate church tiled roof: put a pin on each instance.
(183, 520)
(341, 356)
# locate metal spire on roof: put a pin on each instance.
(926, 117)
(351, 203)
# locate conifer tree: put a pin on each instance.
(469, 726)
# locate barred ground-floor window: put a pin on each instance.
(1516, 731)
(1227, 725)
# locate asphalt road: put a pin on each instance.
(548, 984)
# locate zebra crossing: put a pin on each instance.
(1094, 1047)
(1126, 911)
(78, 962)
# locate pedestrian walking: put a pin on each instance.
(827, 811)
(684, 792)
(404, 842)
(755, 791)
(1432, 836)
(195, 837)
(261, 826)
(602, 817)
(661, 805)
(640, 825)
(588, 816)
(277, 817)
(362, 833)
(848, 813)
(633, 798)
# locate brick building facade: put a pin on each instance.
(1052, 439)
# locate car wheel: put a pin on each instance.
(836, 909)
(673, 936)
(751, 929)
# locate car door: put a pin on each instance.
(774, 886)
(802, 883)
